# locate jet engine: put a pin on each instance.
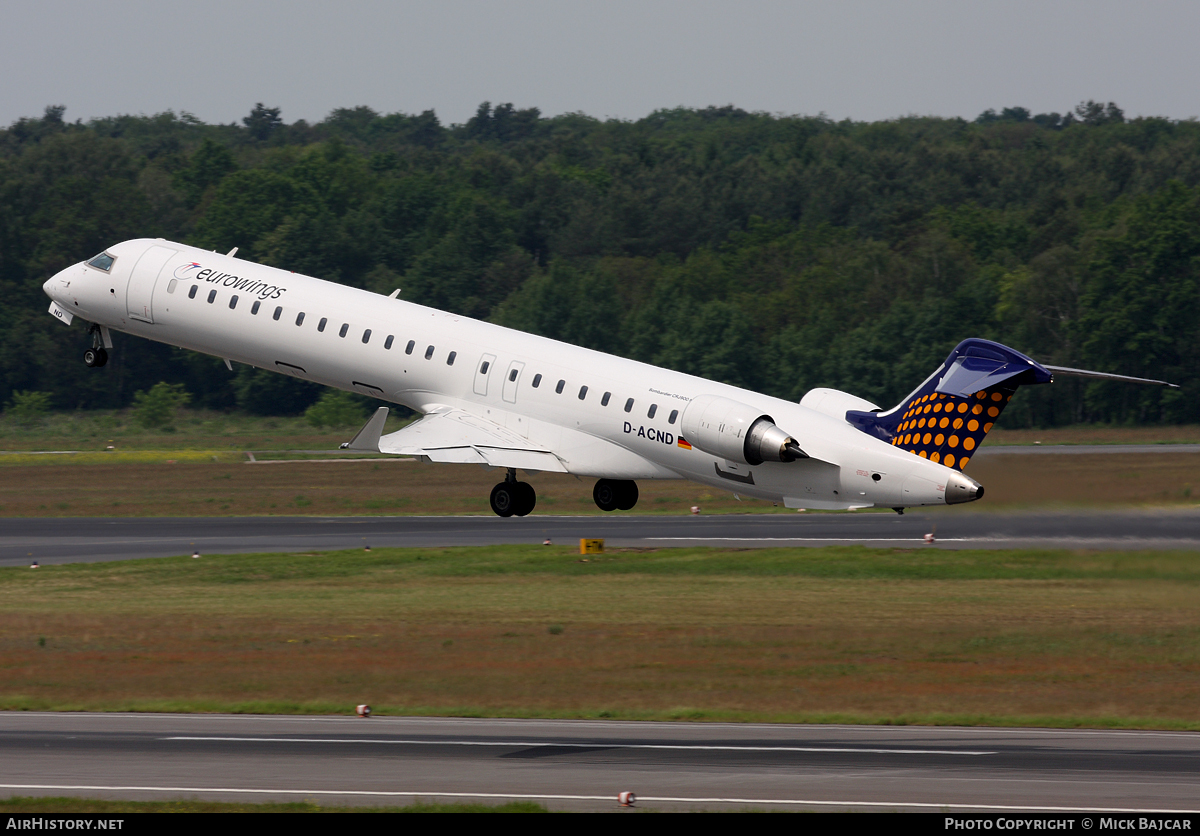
(736, 432)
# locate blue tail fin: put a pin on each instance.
(948, 415)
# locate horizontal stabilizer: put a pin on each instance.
(1106, 376)
(454, 435)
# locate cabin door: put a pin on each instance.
(482, 372)
(512, 377)
(140, 291)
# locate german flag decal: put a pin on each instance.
(683, 443)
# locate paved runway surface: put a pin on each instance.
(584, 764)
(72, 540)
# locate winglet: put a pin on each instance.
(367, 439)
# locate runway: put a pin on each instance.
(582, 765)
(73, 540)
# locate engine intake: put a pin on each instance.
(737, 432)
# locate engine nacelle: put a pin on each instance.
(835, 403)
(736, 431)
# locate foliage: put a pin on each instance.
(156, 408)
(336, 409)
(28, 408)
(774, 252)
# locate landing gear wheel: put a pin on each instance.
(94, 358)
(627, 495)
(504, 499)
(606, 494)
(526, 499)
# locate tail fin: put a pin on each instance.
(946, 418)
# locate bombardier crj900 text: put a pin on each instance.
(502, 398)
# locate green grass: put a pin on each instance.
(192, 429)
(839, 634)
(831, 562)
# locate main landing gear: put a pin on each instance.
(96, 356)
(513, 498)
(615, 494)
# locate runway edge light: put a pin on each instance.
(363, 711)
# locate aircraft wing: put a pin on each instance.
(453, 435)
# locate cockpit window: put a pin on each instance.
(104, 262)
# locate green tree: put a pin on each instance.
(263, 122)
(28, 408)
(1138, 308)
(337, 409)
(206, 168)
(156, 408)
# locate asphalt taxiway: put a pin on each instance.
(582, 765)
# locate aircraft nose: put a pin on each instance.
(960, 488)
(46, 287)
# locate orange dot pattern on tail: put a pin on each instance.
(946, 428)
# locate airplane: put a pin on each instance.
(493, 396)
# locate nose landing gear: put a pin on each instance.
(96, 356)
(615, 494)
(512, 498)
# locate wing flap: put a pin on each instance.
(459, 437)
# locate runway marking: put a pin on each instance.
(612, 798)
(820, 539)
(525, 744)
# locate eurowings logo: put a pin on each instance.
(182, 271)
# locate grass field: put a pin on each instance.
(207, 430)
(176, 484)
(202, 468)
(814, 635)
(192, 429)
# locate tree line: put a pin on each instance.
(773, 252)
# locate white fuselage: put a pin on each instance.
(149, 293)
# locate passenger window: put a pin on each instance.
(212, 294)
(558, 389)
(450, 359)
(428, 352)
(366, 336)
(321, 325)
(582, 392)
(387, 344)
(278, 313)
(233, 302)
(512, 375)
(537, 381)
(171, 285)
(104, 262)
(192, 292)
(345, 327)
(674, 414)
(653, 409)
(629, 405)
(254, 308)
(408, 348)
(300, 318)
(486, 365)
(604, 400)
